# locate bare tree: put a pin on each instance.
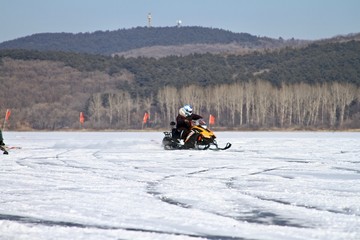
(122, 107)
(95, 108)
(169, 103)
(264, 98)
(111, 108)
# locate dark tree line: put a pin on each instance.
(109, 42)
(316, 63)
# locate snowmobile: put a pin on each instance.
(205, 138)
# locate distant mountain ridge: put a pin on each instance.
(123, 40)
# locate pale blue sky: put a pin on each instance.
(301, 19)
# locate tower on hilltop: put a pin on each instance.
(149, 20)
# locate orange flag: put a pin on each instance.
(7, 115)
(82, 118)
(146, 117)
(211, 120)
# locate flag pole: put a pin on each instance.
(7, 115)
(145, 119)
(81, 120)
(211, 119)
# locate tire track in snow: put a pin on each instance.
(53, 223)
(230, 184)
(152, 186)
(257, 216)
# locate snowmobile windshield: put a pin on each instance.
(200, 122)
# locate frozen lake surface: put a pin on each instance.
(123, 185)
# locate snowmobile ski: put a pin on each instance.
(227, 146)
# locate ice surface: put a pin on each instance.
(123, 185)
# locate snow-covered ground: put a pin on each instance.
(123, 185)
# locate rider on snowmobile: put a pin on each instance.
(183, 126)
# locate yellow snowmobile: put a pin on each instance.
(205, 138)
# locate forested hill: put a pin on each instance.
(109, 42)
(315, 86)
(316, 63)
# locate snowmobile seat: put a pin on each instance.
(175, 133)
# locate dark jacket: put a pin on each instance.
(184, 123)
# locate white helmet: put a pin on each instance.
(182, 112)
(185, 111)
